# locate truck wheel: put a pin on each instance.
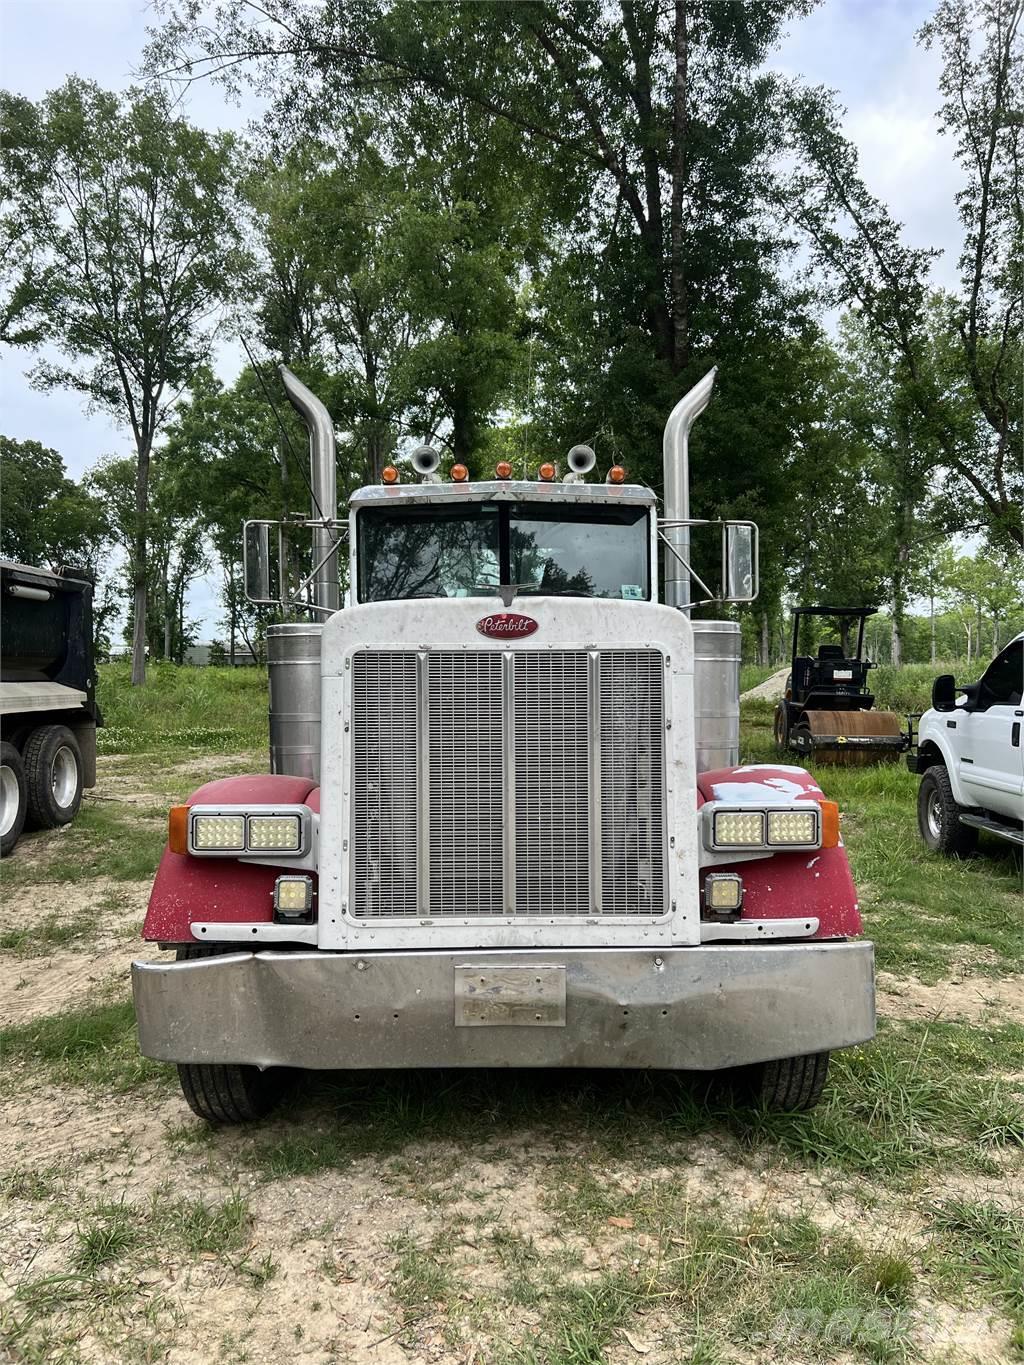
(938, 816)
(53, 776)
(791, 1084)
(12, 797)
(222, 1092)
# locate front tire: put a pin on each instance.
(790, 1085)
(223, 1092)
(53, 775)
(13, 799)
(938, 816)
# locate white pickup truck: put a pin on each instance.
(970, 757)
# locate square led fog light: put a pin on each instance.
(793, 827)
(723, 891)
(739, 829)
(216, 833)
(293, 897)
(277, 833)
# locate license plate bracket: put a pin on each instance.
(525, 996)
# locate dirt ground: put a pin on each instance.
(405, 1254)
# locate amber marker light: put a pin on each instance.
(616, 474)
(503, 469)
(389, 474)
(177, 829)
(829, 824)
(460, 473)
(546, 472)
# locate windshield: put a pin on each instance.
(469, 550)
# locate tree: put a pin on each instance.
(128, 208)
(959, 357)
(48, 519)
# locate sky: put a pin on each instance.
(863, 49)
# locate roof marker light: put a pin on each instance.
(460, 473)
(389, 474)
(616, 474)
(503, 469)
(546, 472)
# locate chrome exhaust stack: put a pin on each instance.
(676, 456)
(324, 482)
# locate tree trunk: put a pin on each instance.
(232, 612)
(765, 639)
(931, 610)
(139, 566)
(168, 627)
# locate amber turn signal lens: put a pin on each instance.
(616, 474)
(460, 473)
(546, 472)
(829, 824)
(389, 474)
(177, 829)
(503, 469)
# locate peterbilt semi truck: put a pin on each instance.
(505, 823)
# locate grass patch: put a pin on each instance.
(104, 1240)
(39, 939)
(981, 1245)
(91, 1046)
(100, 842)
(209, 710)
(199, 1227)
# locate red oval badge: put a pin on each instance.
(506, 625)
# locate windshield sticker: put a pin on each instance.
(632, 592)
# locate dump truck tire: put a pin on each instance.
(938, 816)
(791, 1085)
(53, 776)
(223, 1093)
(13, 797)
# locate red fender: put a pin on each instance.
(188, 889)
(787, 885)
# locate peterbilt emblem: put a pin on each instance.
(506, 625)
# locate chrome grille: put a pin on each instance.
(552, 854)
(384, 730)
(632, 783)
(525, 783)
(465, 727)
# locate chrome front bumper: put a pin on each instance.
(700, 1008)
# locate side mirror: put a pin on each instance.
(256, 562)
(740, 567)
(944, 693)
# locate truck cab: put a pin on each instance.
(971, 759)
(506, 824)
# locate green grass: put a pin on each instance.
(49, 933)
(981, 1246)
(104, 840)
(94, 1045)
(180, 708)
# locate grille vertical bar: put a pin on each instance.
(466, 785)
(632, 782)
(552, 799)
(384, 783)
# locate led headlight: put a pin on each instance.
(739, 829)
(793, 827)
(218, 832)
(278, 832)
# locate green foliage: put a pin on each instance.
(48, 519)
(183, 709)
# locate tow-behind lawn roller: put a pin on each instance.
(827, 709)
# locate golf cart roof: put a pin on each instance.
(835, 611)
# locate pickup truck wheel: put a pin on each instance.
(53, 776)
(938, 816)
(13, 800)
(221, 1092)
(791, 1084)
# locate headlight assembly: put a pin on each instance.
(262, 831)
(746, 829)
